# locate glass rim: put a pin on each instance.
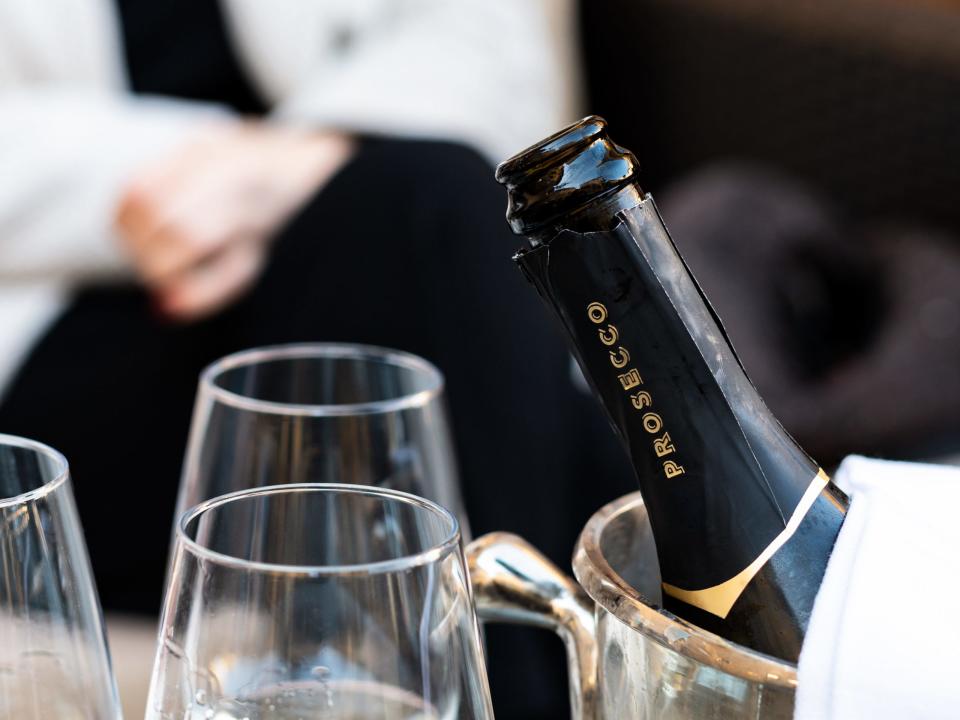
(62, 470)
(630, 607)
(436, 552)
(323, 350)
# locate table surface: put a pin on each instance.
(132, 647)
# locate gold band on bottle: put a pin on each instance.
(720, 598)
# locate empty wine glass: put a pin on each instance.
(318, 601)
(321, 413)
(53, 654)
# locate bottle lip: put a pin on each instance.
(562, 143)
(563, 174)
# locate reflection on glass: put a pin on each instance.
(53, 654)
(321, 413)
(318, 601)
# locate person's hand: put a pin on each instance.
(197, 224)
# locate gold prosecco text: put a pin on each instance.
(632, 382)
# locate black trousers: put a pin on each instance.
(407, 247)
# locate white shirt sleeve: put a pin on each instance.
(65, 156)
(496, 74)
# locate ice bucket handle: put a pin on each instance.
(515, 583)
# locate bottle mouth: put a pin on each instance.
(562, 174)
(558, 146)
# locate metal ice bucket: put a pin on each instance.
(628, 659)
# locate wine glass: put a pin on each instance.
(321, 413)
(54, 661)
(319, 601)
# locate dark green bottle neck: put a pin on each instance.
(599, 215)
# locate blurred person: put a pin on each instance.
(180, 180)
(96, 177)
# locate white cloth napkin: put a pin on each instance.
(884, 637)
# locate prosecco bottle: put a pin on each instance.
(744, 520)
